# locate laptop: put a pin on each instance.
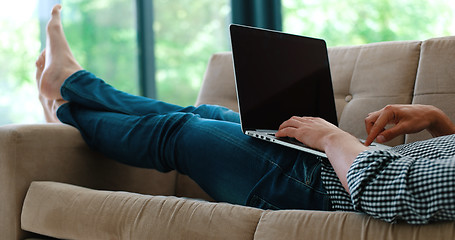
(280, 75)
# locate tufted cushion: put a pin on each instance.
(435, 83)
(368, 77)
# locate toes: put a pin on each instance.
(56, 11)
(55, 21)
(41, 59)
(40, 67)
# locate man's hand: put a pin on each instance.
(314, 132)
(406, 119)
(341, 147)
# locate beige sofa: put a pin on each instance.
(52, 156)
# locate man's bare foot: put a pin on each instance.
(59, 62)
(49, 106)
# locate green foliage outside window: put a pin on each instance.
(102, 35)
(187, 33)
(19, 47)
(351, 22)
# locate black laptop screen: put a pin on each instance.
(280, 75)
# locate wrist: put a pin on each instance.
(340, 140)
(342, 149)
(441, 124)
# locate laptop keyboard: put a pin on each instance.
(288, 140)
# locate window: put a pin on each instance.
(103, 35)
(102, 41)
(187, 33)
(20, 44)
(364, 21)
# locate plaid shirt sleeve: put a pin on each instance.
(414, 182)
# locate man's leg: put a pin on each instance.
(227, 164)
(87, 90)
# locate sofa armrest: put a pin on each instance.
(218, 86)
(56, 152)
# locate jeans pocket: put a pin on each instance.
(258, 202)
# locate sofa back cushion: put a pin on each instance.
(365, 79)
(435, 83)
(368, 77)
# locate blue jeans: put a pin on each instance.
(206, 143)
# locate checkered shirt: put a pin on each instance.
(413, 182)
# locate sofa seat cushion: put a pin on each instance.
(70, 212)
(343, 226)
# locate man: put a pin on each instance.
(413, 182)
